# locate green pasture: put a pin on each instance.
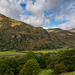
(10, 54)
(68, 73)
(46, 72)
(50, 72)
(13, 53)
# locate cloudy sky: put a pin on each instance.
(41, 13)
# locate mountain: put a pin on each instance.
(67, 36)
(17, 35)
(72, 30)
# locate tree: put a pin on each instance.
(8, 65)
(68, 58)
(30, 68)
(60, 68)
(41, 60)
(10, 73)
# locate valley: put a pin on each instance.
(28, 50)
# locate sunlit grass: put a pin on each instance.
(46, 72)
(68, 73)
(50, 72)
(10, 54)
(5, 52)
(13, 53)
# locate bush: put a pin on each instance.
(59, 68)
(51, 60)
(68, 58)
(8, 65)
(30, 68)
(41, 60)
(30, 55)
(10, 73)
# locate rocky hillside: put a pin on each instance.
(18, 35)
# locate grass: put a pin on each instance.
(50, 72)
(10, 54)
(69, 73)
(14, 53)
(51, 51)
(46, 72)
(4, 52)
(46, 51)
(72, 73)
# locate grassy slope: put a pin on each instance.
(13, 53)
(46, 72)
(69, 73)
(49, 72)
(10, 54)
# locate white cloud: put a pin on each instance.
(10, 8)
(61, 10)
(37, 18)
(54, 27)
(51, 4)
(45, 28)
(65, 10)
(34, 20)
(37, 8)
(68, 25)
(59, 18)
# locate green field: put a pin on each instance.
(10, 54)
(69, 73)
(46, 72)
(49, 72)
(13, 53)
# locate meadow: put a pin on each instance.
(49, 72)
(13, 53)
(10, 54)
(46, 72)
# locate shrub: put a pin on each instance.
(51, 60)
(30, 68)
(30, 55)
(68, 58)
(59, 68)
(8, 65)
(41, 60)
(22, 60)
(10, 73)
